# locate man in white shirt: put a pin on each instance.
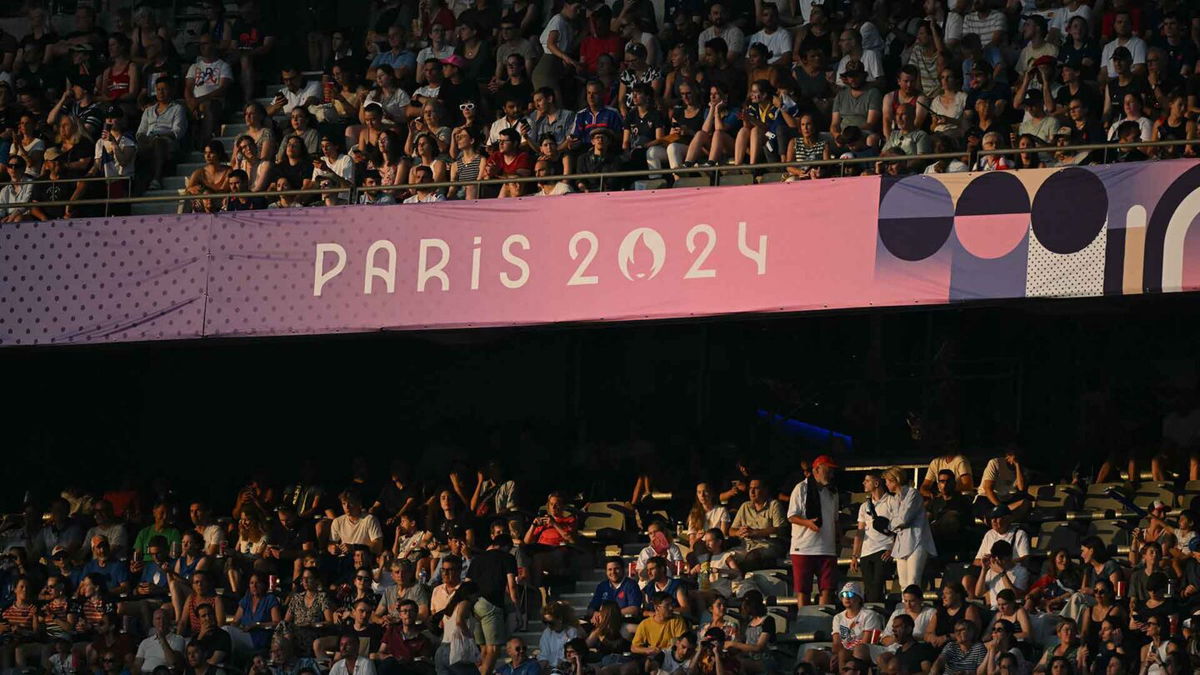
(813, 513)
(1000, 573)
(296, 93)
(777, 40)
(213, 534)
(987, 22)
(1002, 478)
(850, 43)
(1123, 27)
(1034, 30)
(512, 119)
(870, 543)
(208, 80)
(163, 647)
(354, 527)
(418, 175)
(348, 654)
(733, 36)
(1001, 529)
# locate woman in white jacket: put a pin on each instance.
(914, 540)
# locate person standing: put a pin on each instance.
(813, 513)
(872, 555)
(914, 539)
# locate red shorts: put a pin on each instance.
(805, 566)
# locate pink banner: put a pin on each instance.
(856, 242)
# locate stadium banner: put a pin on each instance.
(810, 245)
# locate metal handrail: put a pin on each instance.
(633, 173)
(85, 179)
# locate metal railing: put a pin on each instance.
(715, 171)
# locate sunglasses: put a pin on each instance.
(362, 578)
(466, 106)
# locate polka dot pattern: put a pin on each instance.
(1079, 274)
(98, 280)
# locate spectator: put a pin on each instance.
(240, 182)
(964, 653)
(871, 555)
(560, 628)
(759, 629)
(807, 147)
(600, 40)
(721, 69)
(301, 129)
(775, 38)
(867, 62)
(515, 85)
(658, 582)
(403, 640)
(906, 137)
(354, 527)
(1037, 123)
(907, 93)
(617, 587)
(296, 93)
(919, 617)
(1001, 644)
(559, 45)
(208, 82)
(161, 131)
(720, 27)
(549, 118)
(637, 71)
(856, 104)
(759, 523)
(848, 628)
(437, 50)
(1121, 83)
(1011, 617)
(714, 138)
(658, 631)
(1068, 648)
(764, 124)
(1175, 126)
(347, 660)
(636, 30)
(914, 540)
(163, 647)
(552, 187)
(603, 158)
(515, 651)
(76, 102)
(1034, 30)
(1074, 87)
(1132, 109)
(54, 187)
(246, 158)
(253, 44)
(374, 197)
(927, 56)
(1124, 37)
(398, 57)
(119, 83)
(28, 145)
(17, 191)
(475, 50)
(644, 126)
(1000, 572)
(307, 609)
(949, 108)
(404, 587)
(211, 178)
(114, 156)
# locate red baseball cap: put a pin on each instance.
(824, 460)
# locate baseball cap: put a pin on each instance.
(1122, 54)
(1033, 97)
(824, 460)
(851, 588)
(1040, 61)
(58, 550)
(600, 130)
(1000, 511)
(1073, 62)
(454, 60)
(854, 67)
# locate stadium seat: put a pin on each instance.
(606, 516)
(693, 182)
(736, 179)
(1147, 493)
(1055, 535)
(772, 177)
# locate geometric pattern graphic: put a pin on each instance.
(810, 245)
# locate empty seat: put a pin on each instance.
(736, 179)
(606, 515)
(1147, 494)
(772, 177)
(693, 182)
(1099, 488)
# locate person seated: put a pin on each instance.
(912, 606)
(616, 587)
(1000, 520)
(964, 653)
(1001, 572)
(1009, 612)
(849, 628)
(660, 545)
(114, 572)
(658, 631)
(355, 526)
(658, 581)
(759, 523)
(912, 656)
(1003, 480)
(549, 541)
(561, 628)
(405, 641)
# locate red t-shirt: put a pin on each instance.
(592, 47)
(549, 536)
(523, 160)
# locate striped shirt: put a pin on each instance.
(20, 616)
(984, 26)
(955, 660)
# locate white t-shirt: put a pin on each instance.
(778, 43)
(804, 540)
(871, 63)
(873, 540)
(718, 516)
(151, 653)
(733, 36)
(207, 76)
(363, 531)
(293, 99)
(362, 666)
(851, 630)
(1001, 473)
(1146, 129)
(961, 466)
(213, 535)
(1019, 575)
(1018, 539)
(1136, 47)
(673, 554)
(566, 34)
(920, 624)
(108, 160)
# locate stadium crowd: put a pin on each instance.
(472, 573)
(419, 91)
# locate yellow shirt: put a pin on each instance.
(651, 633)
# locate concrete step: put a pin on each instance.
(174, 182)
(234, 129)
